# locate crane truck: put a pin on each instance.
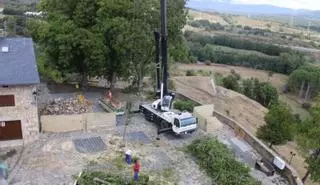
(160, 111)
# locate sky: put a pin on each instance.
(294, 4)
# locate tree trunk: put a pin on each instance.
(84, 81)
(301, 89)
(271, 143)
(305, 177)
(308, 91)
(112, 82)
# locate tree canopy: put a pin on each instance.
(305, 81)
(262, 92)
(219, 162)
(279, 125)
(309, 140)
(106, 37)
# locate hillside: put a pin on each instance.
(231, 7)
(258, 28)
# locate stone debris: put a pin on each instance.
(61, 106)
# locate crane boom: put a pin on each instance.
(164, 46)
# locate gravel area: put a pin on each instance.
(53, 160)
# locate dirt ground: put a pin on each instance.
(54, 160)
(237, 106)
(277, 80)
(247, 112)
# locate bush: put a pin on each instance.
(171, 85)
(87, 179)
(237, 43)
(219, 163)
(235, 74)
(184, 105)
(306, 106)
(231, 82)
(190, 73)
(207, 62)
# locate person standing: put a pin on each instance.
(3, 173)
(136, 170)
(128, 157)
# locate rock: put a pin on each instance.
(65, 106)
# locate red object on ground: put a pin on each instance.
(110, 95)
(136, 167)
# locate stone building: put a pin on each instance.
(19, 77)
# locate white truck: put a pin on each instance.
(160, 111)
(179, 123)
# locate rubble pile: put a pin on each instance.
(61, 106)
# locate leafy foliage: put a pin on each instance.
(190, 73)
(309, 140)
(230, 82)
(219, 162)
(304, 78)
(206, 25)
(87, 178)
(184, 105)
(279, 125)
(206, 48)
(262, 92)
(107, 38)
(237, 43)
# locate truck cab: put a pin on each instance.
(182, 123)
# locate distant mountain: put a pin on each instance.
(227, 6)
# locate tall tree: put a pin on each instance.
(309, 140)
(248, 88)
(69, 37)
(129, 27)
(279, 126)
(269, 94)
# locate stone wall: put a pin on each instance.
(25, 109)
(78, 122)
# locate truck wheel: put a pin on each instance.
(164, 124)
(147, 116)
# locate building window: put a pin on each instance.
(7, 100)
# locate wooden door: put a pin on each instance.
(10, 130)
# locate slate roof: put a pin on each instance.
(18, 66)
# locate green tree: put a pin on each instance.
(248, 88)
(291, 61)
(106, 37)
(269, 94)
(309, 141)
(219, 162)
(305, 81)
(279, 126)
(129, 26)
(230, 82)
(257, 90)
(69, 38)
